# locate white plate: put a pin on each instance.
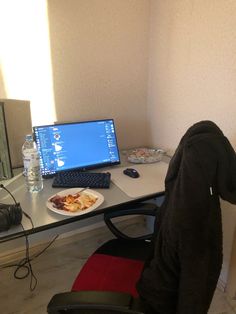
(100, 200)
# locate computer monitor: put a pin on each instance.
(78, 145)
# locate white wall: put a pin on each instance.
(192, 68)
(192, 75)
(99, 58)
(88, 58)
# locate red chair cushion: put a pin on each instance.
(109, 273)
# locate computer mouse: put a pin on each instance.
(132, 173)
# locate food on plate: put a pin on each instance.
(73, 202)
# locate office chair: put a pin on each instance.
(106, 283)
(185, 256)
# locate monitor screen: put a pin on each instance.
(79, 145)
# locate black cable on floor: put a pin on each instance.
(25, 263)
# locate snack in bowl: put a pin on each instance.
(145, 155)
(73, 202)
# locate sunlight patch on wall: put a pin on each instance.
(25, 59)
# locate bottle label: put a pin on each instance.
(30, 160)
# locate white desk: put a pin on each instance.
(35, 204)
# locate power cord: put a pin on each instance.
(25, 263)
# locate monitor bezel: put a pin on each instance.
(84, 168)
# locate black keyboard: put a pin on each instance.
(71, 179)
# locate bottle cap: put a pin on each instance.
(29, 137)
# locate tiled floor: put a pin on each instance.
(55, 270)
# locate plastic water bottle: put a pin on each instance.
(33, 177)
